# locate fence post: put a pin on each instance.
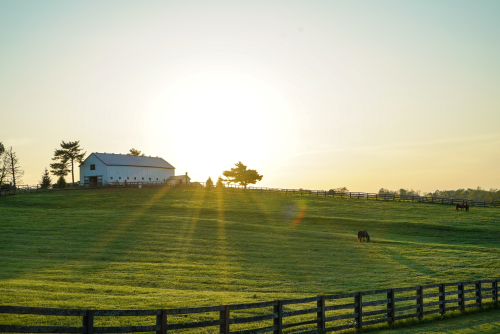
(391, 305)
(161, 322)
(278, 322)
(442, 298)
(479, 300)
(88, 322)
(420, 301)
(224, 320)
(358, 309)
(321, 313)
(461, 302)
(494, 291)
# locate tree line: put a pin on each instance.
(478, 194)
(70, 154)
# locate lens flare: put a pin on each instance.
(294, 213)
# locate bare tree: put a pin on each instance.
(13, 168)
(3, 167)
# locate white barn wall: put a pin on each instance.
(120, 174)
(100, 168)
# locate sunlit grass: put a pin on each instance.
(158, 248)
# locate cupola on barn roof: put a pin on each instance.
(111, 159)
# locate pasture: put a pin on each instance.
(159, 248)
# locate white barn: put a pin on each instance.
(104, 168)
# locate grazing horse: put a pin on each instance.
(460, 206)
(363, 234)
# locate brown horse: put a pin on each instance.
(363, 234)
(460, 206)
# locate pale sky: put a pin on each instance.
(312, 94)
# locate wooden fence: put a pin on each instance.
(301, 192)
(359, 309)
(21, 189)
(373, 196)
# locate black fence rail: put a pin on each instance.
(301, 192)
(21, 189)
(327, 313)
(373, 196)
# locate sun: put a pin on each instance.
(222, 115)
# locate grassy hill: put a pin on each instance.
(158, 248)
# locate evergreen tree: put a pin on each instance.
(209, 184)
(69, 153)
(220, 183)
(61, 182)
(46, 181)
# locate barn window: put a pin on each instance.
(156, 179)
(127, 177)
(149, 179)
(120, 178)
(111, 178)
(135, 178)
(143, 179)
(92, 167)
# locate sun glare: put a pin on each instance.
(222, 115)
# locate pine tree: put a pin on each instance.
(61, 182)
(46, 181)
(220, 183)
(209, 184)
(69, 153)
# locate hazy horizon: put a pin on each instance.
(316, 95)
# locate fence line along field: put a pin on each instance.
(325, 318)
(144, 249)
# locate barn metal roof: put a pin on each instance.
(132, 160)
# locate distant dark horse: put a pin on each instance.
(462, 207)
(363, 234)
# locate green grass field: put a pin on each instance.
(158, 248)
